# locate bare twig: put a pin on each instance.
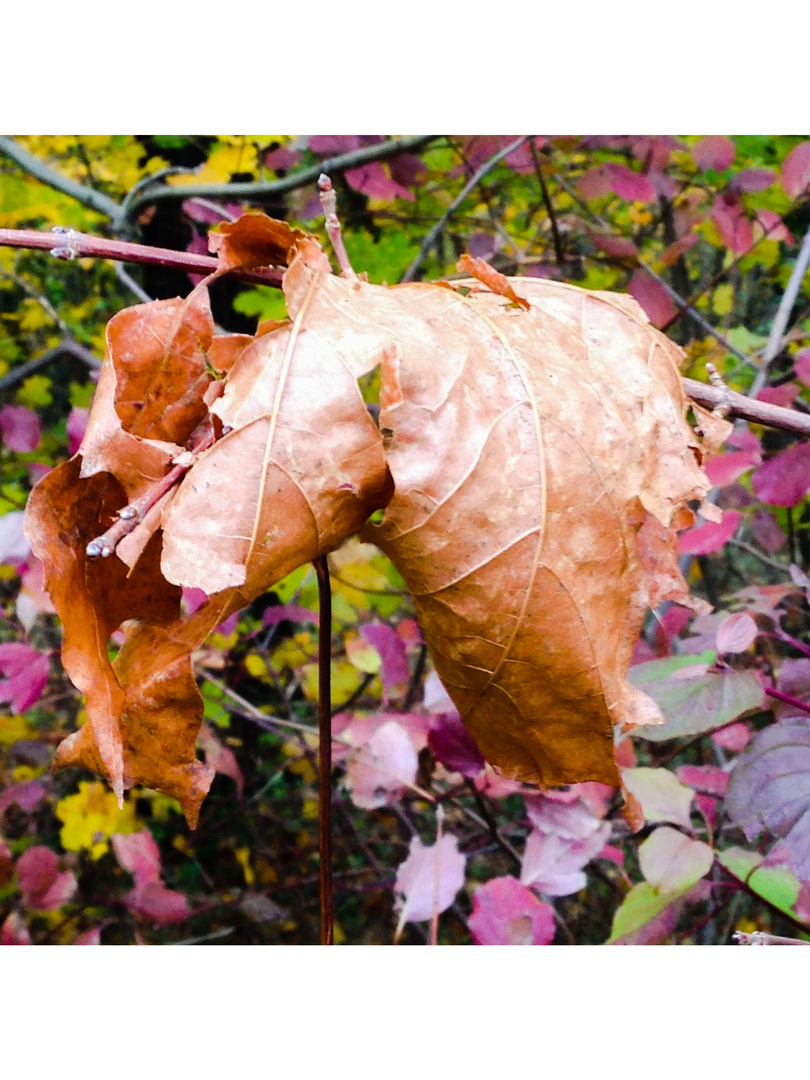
(472, 183)
(245, 709)
(329, 203)
(96, 200)
(325, 751)
(264, 188)
(759, 412)
(759, 937)
(68, 244)
(774, 345)
(21, 373)
(555, 232)
(130, 283)
(437, 878)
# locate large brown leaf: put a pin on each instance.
(535, 463)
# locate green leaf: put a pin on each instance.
(263, 301)
(640, 905)
(672, 862)
(775, 884)
(662, 796)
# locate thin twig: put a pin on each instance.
(437, 878)
(787, 699)
(249, 711)
(329, 203)
(127, 280)
(263, 188)
(21, 373)
(759, 412)
(759, 937)
(325, 750)
(774, 344)
(555, 232)
(472, 183)
(96, 200)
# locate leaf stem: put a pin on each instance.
(325, 750)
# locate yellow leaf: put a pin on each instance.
(91, 817)
(13, 728)
(723, 299)
(243, 858)
(256, 666)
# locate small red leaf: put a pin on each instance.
(20, 428)
(753, 180)
(42, 885)
(714, 152)
(655, 300)
(726, 468)
(453, 745)
(505, 912)
(629, 185)
(801, 365)
(708, 538)
(732, 224)
(785, 479)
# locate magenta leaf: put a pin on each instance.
(334, 144)
(77, 423)
(155, 903)
(285, 613)
(796, 170)
(655, 300)
(392, 649)
(428, 879)
(801, 365)
(714, 152)
(737, 633)
(25, 674)
(783, 395)
(785, 479)
(735, 737)
(773, 226)
(20, 428)
(692, 698)
(732, 224)
(27, 795)
(138, 854)
(14, 931)
(629, 185)
(770, 789)
(710, 537)
(726, 468)
(506, 912)
(453, 745)
(706, 778)
(767, 531)
(618, 247)
(373, 180)
(42, 885)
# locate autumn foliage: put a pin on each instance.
(520, 451)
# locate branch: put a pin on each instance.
(67, 244)
(774, 345)
(759, 937)
(96, 200)
(758, 412)
(325, 750)
(264, 188)
(472, 183)
(21, 373)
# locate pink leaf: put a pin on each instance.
(220, 758)
(20, 428)
(714, 152)
(505, 912)
(553, 865)
(655, 300)
(629, 185)
(454, 747)
(726, 468)
(153, 902)
(773, 227)
(618, 247)
(41, 884)
(708, 538)
(732, 224)
(737, 633)
(767, 531)
(429, 878)
(139, 855)
(594, 184)
(495, 786)
(334, 144)
(380, 771)
(77, 421)
(391, 647)
(707, 805)
(735, 737)
(89, 937)
(707, 778)
(373, 180)
(434, 696)
(801, 365)
(796, 170)
(570, 821)
(783, 395)
(785, 479)
(288, 613)
(14, 546)
(27, 795)
(752, 180)
(14, 931)
(26, 673)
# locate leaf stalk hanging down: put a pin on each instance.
(325, 750)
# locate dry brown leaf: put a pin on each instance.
(540, 466)
(492, 278)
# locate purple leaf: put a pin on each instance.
(288, 613)
(726, 468)
(392, 649)
(27, 795)
(767, 531)
(20, 428)
(708, 538)
(770, 789)
(26, 673)
(753, 180)
(505, 912)
(783, 395)
(732, 224)
(42, 885)
(334, 144)
(655, 300)
(454, 747)
(155, 903)
(785, 479)
(796, 170)
(801, 365)
(14, 546)
(373, 180)
(594, 184)
(77, 422)
(714, 152)
(428, 879)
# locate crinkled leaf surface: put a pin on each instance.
(693, 699)
(535, 463)
(770, 789)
